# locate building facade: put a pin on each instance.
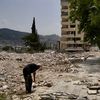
(71, 39)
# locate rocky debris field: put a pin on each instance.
(58, 78)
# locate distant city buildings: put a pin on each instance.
(71, 39)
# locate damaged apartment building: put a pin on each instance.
(71, 39)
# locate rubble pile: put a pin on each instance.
(58, 96)
(53, 62)
(57, 79)
(11, 65)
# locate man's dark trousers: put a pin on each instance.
(28, 83)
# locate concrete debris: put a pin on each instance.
(61, 96)
(93, 89)
(92, 92)
(5, 87)
(83, 98)
(58, 78)
(72, 96)
(57, 96)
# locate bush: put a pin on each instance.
(8, 48)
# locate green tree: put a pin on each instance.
(32, 40)
(87, 12)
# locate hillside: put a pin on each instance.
(12, 37)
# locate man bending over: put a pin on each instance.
(27, 70)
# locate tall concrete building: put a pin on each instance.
(71, 39)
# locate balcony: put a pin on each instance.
(64, 13)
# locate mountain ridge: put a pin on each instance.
(14, 37)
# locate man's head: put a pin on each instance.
(39, 65)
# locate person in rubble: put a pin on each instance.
(27, 70)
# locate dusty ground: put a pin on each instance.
(58, 79)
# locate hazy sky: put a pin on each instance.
(18, 15)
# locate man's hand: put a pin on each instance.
(34, 73)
